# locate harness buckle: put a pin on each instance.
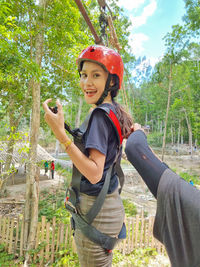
(108, 251)
(69, 206)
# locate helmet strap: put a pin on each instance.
(107, 89)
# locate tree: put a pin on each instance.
(14, 92)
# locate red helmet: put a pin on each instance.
(108, 58)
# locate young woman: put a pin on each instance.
(101, 74)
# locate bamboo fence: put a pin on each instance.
(52, 237)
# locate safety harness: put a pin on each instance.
(72, 201)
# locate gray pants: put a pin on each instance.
(109, 221)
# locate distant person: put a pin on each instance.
(191, 182)
(46, 167)
(52, 169)
(177, 221)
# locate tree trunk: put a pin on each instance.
(10, 148)
(172, 135)
(182, 141)
(167, 111)
(189, 132)
(161, 126)
(14, 121)
(78, 117)
(179, 133)
(32, 178)
(146, 119)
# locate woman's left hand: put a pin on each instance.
(137, 126)
(55, 121)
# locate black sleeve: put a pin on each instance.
(143, 159)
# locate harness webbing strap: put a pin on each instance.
(84, 222)
(94, 210)
(105, 241)
(115, 121)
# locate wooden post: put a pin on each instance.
(42, 240)
(144, 234)
(37, 238)
(53, 239)
(149, 232)
(136, 231)
(47, 240)
(133, 234)
(142, 229)
(21, 253)
(7, 232)
(61, 236)
(17, 235)
(58, 238)
(66, 236)
(11, 236)
(153, 240)
(129, 236)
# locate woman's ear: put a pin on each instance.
(112, 82)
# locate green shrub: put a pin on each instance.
(52, 205)
(130, 208)
(67, 258)
(187, 177)
(138, 257)
(155, 139)
(7, 260)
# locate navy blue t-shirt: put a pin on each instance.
(101, 135)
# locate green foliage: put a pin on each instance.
(155, 139)
(138, 258)
(67, 258)
(7, 260)
(192, 16)
(194, 178)
(52, 205)
(130, 208)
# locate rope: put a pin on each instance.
(115, 43)
(113, 36)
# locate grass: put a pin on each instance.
(8, 260)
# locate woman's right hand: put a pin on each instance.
(55, 121)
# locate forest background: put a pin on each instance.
(39, 44)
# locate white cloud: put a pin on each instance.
(130, 4)
(147, 12)
(153, 60)
(136, 42)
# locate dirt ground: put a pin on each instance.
(13, 203)
(134, 188)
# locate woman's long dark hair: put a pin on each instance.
(125, 119)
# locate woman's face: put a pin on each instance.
(92, 82)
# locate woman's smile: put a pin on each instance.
(90, 93)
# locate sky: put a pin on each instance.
(151, 21)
